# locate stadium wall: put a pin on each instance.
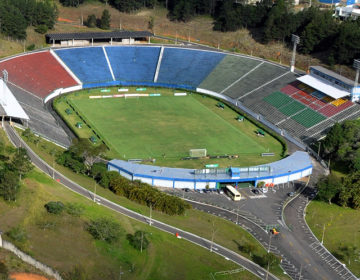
(179, 183)
(292, 168)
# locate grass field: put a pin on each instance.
(229, 235)
(342, 232)
(167, 127)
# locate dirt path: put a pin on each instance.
(27, 276)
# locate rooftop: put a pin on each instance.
(98, 35)
(291, 164)
(334, 75)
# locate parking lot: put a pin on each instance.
(265, 206)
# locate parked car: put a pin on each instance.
(291, 194)
(255, 191)
(220, 191)
(264, 190)
(187, 189)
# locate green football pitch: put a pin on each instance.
(167, 127)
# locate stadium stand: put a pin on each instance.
(88, 64)
(41, 120)
(329, 110)
(260, 76)
(187, 68)
(308, 118)
(277, 99)
(292, 108)
(133, 63)
(228, 71)
(39, 73)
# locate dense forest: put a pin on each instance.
(341, 147)
(319, 31)
(17, 15)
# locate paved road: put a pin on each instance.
(303, 257)
(247, 264)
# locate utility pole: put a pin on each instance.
(142, 238)
(150, 222)
(212, 236)
(94, 190)
(53, 170)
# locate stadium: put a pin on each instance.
(296, 106)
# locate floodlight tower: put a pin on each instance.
(296, 40)
(356, 65)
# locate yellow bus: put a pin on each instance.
(232, 193)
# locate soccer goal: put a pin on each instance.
(197, 152)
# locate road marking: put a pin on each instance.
(299, 252)
(291, 244)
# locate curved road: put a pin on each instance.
(207, 244)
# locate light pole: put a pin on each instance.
(212, 236)
(356, 65)
(323, 234)
(296, 40)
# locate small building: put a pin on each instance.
(90, 38)
(345, 12)
(331, 84)
(289, 169)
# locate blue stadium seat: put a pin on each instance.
(137, 64)
(88, 64)
(185, 67)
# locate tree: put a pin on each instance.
(329, 187)
(4, 272)
(104, 229)
(9, 185)
(82, 148)
(138, 240)
(319, 33)
(21, 162)
(105, 20)
(151, 23)
(91, 21)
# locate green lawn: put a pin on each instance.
(167, 127)
(228, 234)
(342, 231)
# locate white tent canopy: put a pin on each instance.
(324, 86)
(9, 103)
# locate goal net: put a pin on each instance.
(197, 152)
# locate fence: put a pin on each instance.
(30, 260)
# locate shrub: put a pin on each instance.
(17, 234)
(42, 29)
(74, 209)
(54, 207)
(30, 48)
(4, 272)
(104, 229)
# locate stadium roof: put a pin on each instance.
(334, 75)
(9, 106)
(324, 86)
(98, 35)
(297, 161)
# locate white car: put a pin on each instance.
(264, 190)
